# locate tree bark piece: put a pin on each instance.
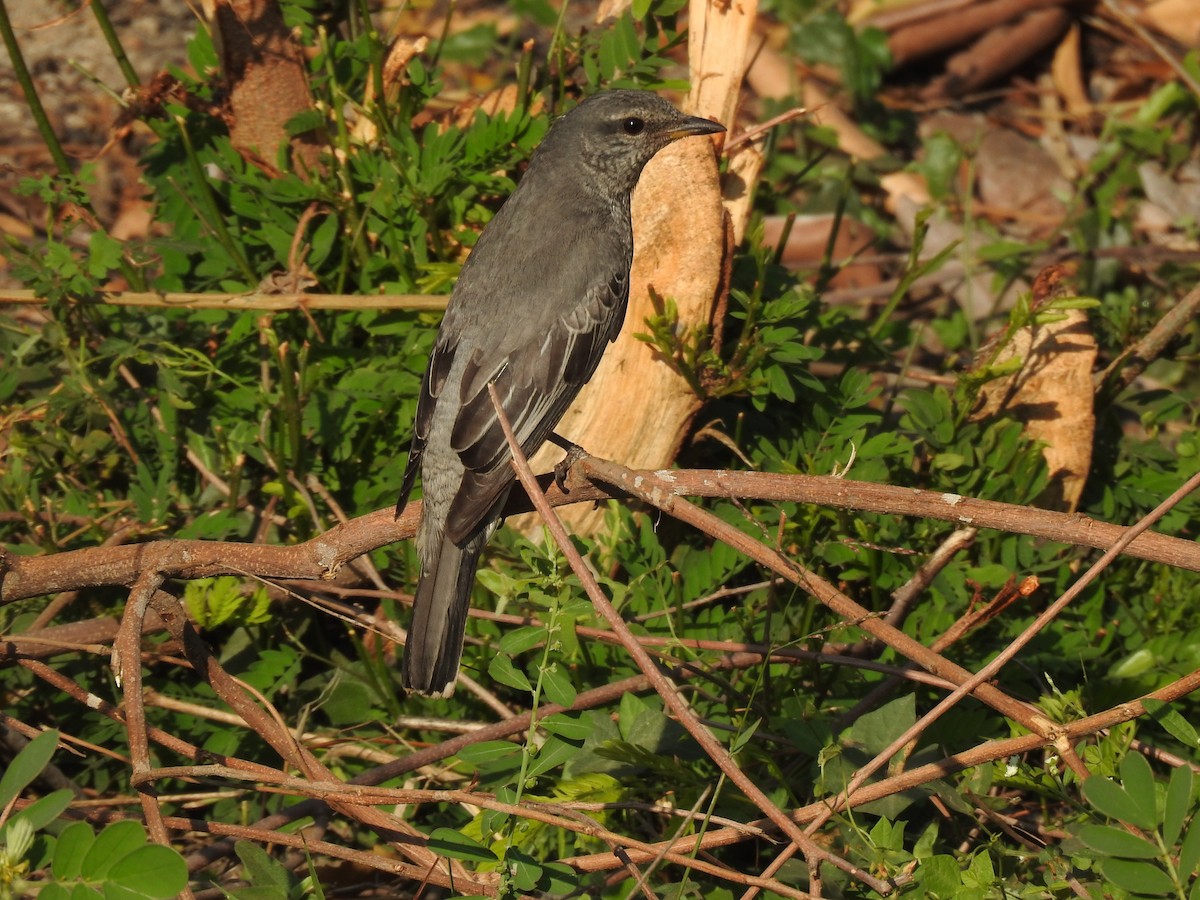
(268, 81)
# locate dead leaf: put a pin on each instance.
(1051, 393)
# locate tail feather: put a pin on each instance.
(435, 638)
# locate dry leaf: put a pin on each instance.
(1051, 393)
(1177, 19)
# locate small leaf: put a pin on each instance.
(74, 841)
(571, 726)
(46, 809)
(152, 870)
(456, 845)
(261, 870)
(1142, 878)
(1189, 852)
(26, 766)
(488, 752)
(526, 872)
(502, 670)
(1176, 804)
(1116, 842)
(1109, 798)
(522, 639)
(1172, 721)
(114, 843)
(1137, 778)
(742, 738)
(556, 684)
(558, 880)
(940, 875)
(555, 752)
(1137, 663)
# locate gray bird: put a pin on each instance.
(542, 294)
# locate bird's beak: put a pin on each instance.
(695, 125)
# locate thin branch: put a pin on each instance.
(656, 490)
(814, 853)
(988, 671)
(258, 301)
(320, 557)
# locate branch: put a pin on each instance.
(259, 301)
(319, 558)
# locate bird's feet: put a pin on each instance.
(574, 454)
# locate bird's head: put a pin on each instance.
(613, 134)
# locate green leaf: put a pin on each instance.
(74, 841)
(261, 869)
(1111, 799)
(488, 752)
(46, 809)
(456, 845)
(1189, 851)
(1172, 721)
(1112, 841)
(502, 671)
(1176, 804)
(114, 843)
(152, 870)
(572, 726)
(1138, 780)
(526, 872)
(558, 880)
(521, 639)
(555, 752)
(1137, 877)
(940, 875)
(1137, 663)
(556, 684)
(26, 766)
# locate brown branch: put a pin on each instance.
(320, 557)
(127, 663)
(254, 300)
(1003, 657)
(990, 751)
(666, 689)
(1122, 371)
(268, 726)
(656, 490)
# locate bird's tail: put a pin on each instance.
(435, 638)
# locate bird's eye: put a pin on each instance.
(633, 125)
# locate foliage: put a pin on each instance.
(117, 862)
(124, 424)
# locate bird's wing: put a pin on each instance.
(431, 388)
(535, 383)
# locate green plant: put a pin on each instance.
(39, 851)
(1151, 854)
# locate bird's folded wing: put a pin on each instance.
(535, 383)
(431, 388)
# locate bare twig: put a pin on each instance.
(254, 300)
(320, 557)
(1008, 653)
(814, 853)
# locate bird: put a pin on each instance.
(541, 295)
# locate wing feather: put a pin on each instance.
(535, 384)
(432, 385)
